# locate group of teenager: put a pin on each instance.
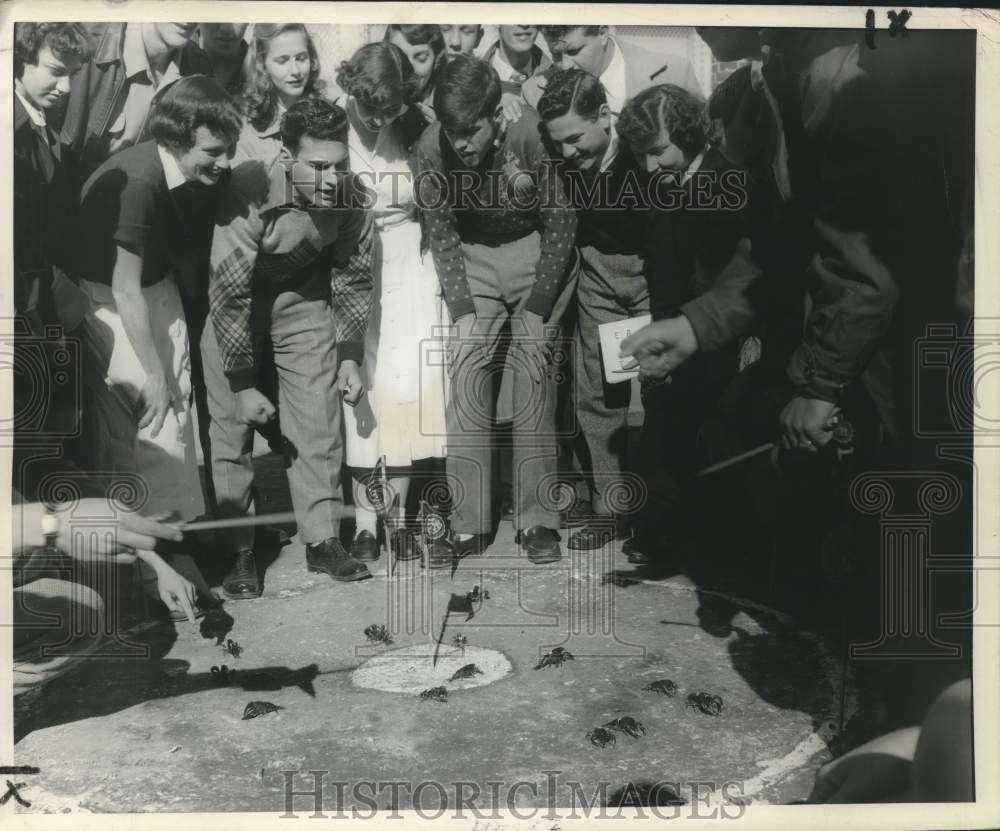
(347, 273)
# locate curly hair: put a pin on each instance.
(317, 118)
(572, 90)
(380, 76)
(64, 39)
(193, 102)
(419, 34)
(259, 100)
(681, 113)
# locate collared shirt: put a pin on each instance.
(171, 170)
(695, 164)
(505, 70)
(128, 125)
(613, 79)
(611, 153)
(36, 115)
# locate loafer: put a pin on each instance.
(241, 582)
(365, 547)
(475, 545)
(330, 557)
(440, 554)
(591, 536)
(405, 545)
(540, 544)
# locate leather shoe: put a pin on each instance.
(591, 536)
(330, 557)
(365, 547)
(541, 544)
(405, 545)
(242, 582)
(440, 554)
(474, 545)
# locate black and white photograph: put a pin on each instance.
(511, 424)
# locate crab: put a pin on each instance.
(435, 694)
(377, 633)
(710, 705)
(223, 675)
(468, 671)
(664, 686)
(233, 648)
(259, 708)
(476, 596)
(460, 641)
(557, 657)
(600, 737)
(627, 725)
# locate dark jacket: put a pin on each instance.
(97, 89)
(880, 156)
(698, 256)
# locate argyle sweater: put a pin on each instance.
(515, 193)
(265, 243)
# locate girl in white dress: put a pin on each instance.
(402, 414)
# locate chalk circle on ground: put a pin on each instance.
(411, 669)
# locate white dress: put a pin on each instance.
(402, 413)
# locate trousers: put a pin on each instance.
(610, 287)
(304, 344)
(501, 278)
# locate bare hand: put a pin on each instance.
(155, 401)
(529, 338)
(660, 348)
(349, 382)
(511, 107)
(807, 423)
(177, 592)
(132, 531)
(254, 408)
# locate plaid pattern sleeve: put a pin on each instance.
(442, 229)
(235, 243)
(352, 283)
(558, 237)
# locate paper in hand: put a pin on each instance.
(612, 334)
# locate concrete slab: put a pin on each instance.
(161, 733)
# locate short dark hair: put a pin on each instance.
(64, 39)
(468, 90)
(193, 102)
(682, 113)
(318, 118)
(557, 32)
(572, 90)
(380, 76)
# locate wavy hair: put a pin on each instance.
(572, 90)
(380, 76)
(682, 113)
(64, 39)
(259, 100)
(193, 102)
